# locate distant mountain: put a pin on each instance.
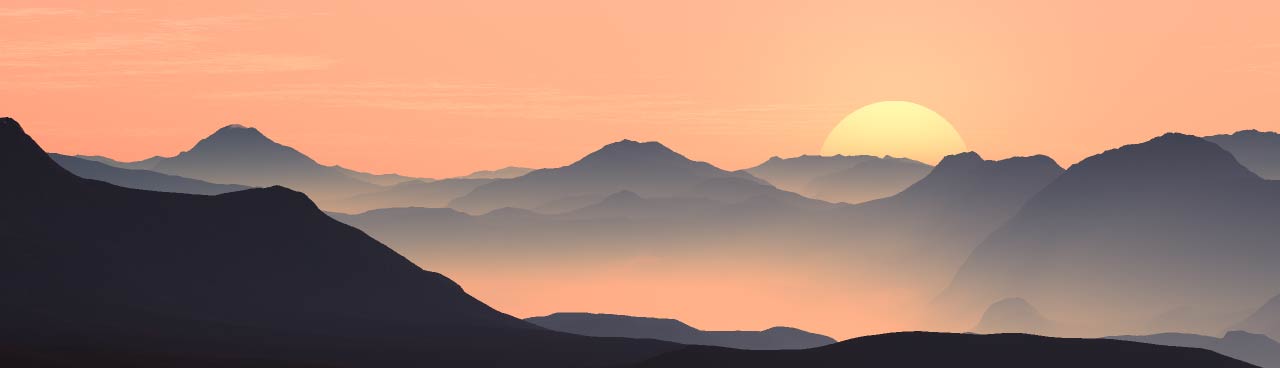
(1014, 315)
(503, 173)
(97, 275)
(925, 349)
(612, 325)
(1130, 233)
(385, 180)
(1254, 349)
(140, 179)
(849, 179)
(1266, 320)
(242, 155)
(794, 174)
(147, 164)
(1258, 151)
(911, 242)
(648, 169)
(414, 193)
(870, 180)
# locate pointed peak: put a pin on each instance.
(632, 151)
(961, 159)
(22, 157)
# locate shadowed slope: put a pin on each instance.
(611, 325)
(1132, 232)
(931, 350)
(1250, 348)
(91, 272)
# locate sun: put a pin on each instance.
(895, 128)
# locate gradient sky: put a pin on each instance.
(441, 88)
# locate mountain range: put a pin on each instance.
(95, 274)
(849, 179)
(138, 178)
(1258, 151)
(1122, 236)
(648, 169)
(612, 325)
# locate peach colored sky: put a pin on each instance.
(440, 88)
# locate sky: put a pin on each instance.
(443, 88)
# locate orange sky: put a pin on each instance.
(441, 88)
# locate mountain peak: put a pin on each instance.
(962, 159)
(628, 152)
(22, 157)
(1169, 158)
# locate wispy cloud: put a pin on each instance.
(506, 102)
(151, 46)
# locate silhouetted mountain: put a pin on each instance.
(413, 193)
(140, 179)
(794, 174)
(1266, 320)
(1130, 233)
(147, 164)
(1254, 349)
(913, 241)
(849, 179)
(92, 274)
(385, 180)
(612, 325)
(1013, 315)
(925, 349)
(503, 173)
(873, 179)
(1258, 151)
(237, 154)
(649, 169)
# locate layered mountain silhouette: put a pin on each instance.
(648, 169)
(1266, 320)
(867, 181)
(385, 180)
(1014, 315)
(925, 349)
(96, 274)
(612, 325)
(1258, 151)
(849, 179)
(503, 173)
(1254, 349)
(140, 179)
(413, 193)
(1127, 234)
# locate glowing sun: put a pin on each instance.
(895, 128)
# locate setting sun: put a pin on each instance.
(894, 128)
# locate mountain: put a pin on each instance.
(414, 193)
(794, 174)
(1254, 349)
(385, 180)
(1266, 320)
(925, 349)
(242, 155)
(612, 325)
(98, 275)
(902, 249)
(870, 180)
(648, 169)
(1013, 315)
(1130, 233)
(1258, 151)
(503, 173)
(147, 164)
(140, 179)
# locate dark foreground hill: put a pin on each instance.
(92, 274)
(612, 325)
(931, 350)
(1252, 348)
